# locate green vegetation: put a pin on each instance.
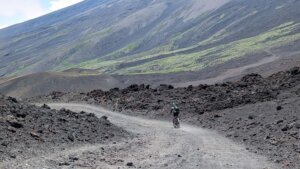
(21, 69)
(66, 64)
(99, 64)
(100, 34)
(275, 37)
(125, 50)
(283, 34)
(77, 47)
(222, 16)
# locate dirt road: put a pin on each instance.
(157, 145)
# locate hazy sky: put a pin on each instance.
(16, 11)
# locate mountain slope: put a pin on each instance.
(45, 83)
(151, 36)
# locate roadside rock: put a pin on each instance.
(14, 122)
(30, 130)
(129, 164)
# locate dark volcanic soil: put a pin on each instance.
(263, 113)
(269, 128)
(250, 89)
(27, 130)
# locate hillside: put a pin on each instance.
(45, 83)
(151, 36)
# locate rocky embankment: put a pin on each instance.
(262, 113)
(27, 131)
(269, 128)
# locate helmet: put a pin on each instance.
(174, 106)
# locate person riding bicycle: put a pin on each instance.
(175, 111)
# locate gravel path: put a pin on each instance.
(158, 145)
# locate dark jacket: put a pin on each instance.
(175, 112)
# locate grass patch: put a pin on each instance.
(280, 35)
(275, 37)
